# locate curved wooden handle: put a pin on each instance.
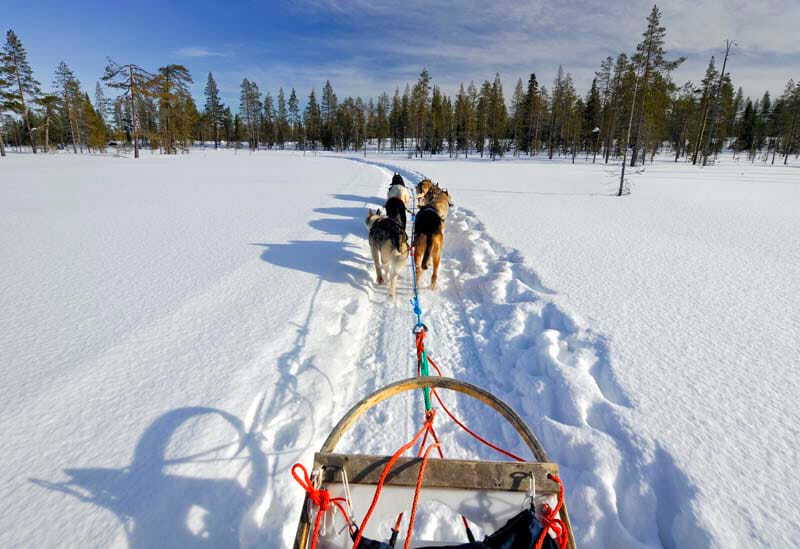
(436, 382)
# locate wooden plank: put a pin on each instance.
(440, 473)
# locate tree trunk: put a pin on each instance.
(133, 113)
(700, 136)
(627, 139)
(645, 74)
(26, 113)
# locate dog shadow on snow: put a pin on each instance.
(158, 508)
(331, 261)
(337, 261)
(365, 201)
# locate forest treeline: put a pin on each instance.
(633, 109)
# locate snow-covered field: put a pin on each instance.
(177, 332)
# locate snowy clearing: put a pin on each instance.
(178, 331)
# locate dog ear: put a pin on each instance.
(378, 212)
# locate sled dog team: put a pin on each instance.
(388, 239)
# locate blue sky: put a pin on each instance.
(368, 47)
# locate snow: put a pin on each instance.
(178, 331)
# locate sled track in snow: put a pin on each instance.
(494, 324)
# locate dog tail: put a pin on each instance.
(426, 255)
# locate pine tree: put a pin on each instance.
(681, 114)
(705, 106)
(556, 114)
(715, 99)
(420, 108)
(171, 88)
(651, 62)
(69, 88)
(213, 108)
(382, 120)
(269, 126)
(15, 69)
(250, 111)
(135, 82)
(519, 117)
(464, 121)
(791, 122)
(396, 120)
(48, 104)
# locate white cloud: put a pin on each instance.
(473, 39)
(193, 51)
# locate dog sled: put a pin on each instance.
(370, 502)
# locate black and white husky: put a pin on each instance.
(388, 242)
(397, 189)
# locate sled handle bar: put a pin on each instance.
(421, 382)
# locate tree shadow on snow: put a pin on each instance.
(160, 509)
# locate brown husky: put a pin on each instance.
(422, 189)
(429, 231)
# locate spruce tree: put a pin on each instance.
(328, 109)
(497, 117)
(532, 111)
(312, 121)
(282, 120)
(294, 117)
(8, 103)
(591, 119)
(14, 68)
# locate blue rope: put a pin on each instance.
(415, 306)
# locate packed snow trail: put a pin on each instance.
(493, 324)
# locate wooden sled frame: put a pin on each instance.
(443, 473)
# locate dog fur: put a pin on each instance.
(395, 209)
(429, 227)
(422, 189)
(388, 243)
(398, 190)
